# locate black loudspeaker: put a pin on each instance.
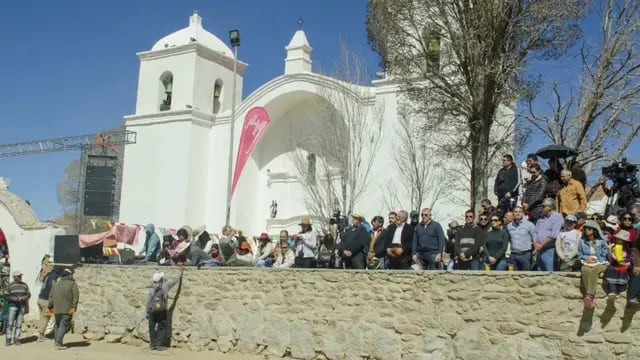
(66, 249)
(92, 254)
(99, 190)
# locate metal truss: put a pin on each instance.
(106, 140)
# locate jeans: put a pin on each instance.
(158, 329)
(209, 262)
(521, 262)
(14, 322)
(63, 321)
(544, 261)
(468, 265)
(428, 261)
(43, 306)
(268, 262)
(500, 265)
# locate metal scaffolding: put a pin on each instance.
(106, 140)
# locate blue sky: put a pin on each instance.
(69, 67)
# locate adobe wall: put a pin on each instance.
(327, 314)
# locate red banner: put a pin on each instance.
(255, 124)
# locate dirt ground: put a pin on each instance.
(81, 349)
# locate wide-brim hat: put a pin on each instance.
(357, 216)
(182, 246)
(612, 222)
(264, 236)
(305, 221)
(623, 235)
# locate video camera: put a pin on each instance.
(340, 220)
(625, 189)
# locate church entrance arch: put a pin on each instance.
(298, 118)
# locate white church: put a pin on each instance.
(177, 172)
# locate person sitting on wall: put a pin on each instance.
(264, 252)
(286, 256)
(592, 251)
(567, 245)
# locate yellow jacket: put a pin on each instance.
(572, 198)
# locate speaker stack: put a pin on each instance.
(99, 190)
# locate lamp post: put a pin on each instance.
(234, 39)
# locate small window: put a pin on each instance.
(311, 168)
(217, 96)
(166, 86)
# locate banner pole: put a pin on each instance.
(231, 130)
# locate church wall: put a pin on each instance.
(26, 248)
(198, 176)
(217, 170)
(149, 85)
(155, 175)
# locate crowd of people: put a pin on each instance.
(538, 224)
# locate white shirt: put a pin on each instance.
(397, 236)
(307, 246)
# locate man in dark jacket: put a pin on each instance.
(159, 318)
(398, 240)
(428, 242)
(506, 184)
(63, 302)
(354, 243)
(469, 240)
(536, 189)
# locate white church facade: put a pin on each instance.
(176, 173)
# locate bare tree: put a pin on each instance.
(423, 176)
(345, 134)
(599, 115)
(461, 60)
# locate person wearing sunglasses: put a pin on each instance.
(428, 242)
(495, 245)
(469, 241)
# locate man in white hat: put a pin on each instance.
(158, 310)
(17, 295)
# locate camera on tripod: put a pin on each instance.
(340, 220)
(625, 189)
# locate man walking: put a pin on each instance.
(43, 301)
(17, 295)
(428, 242)
(63, 302)
(158, 310)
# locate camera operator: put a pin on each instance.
(306, 243)
(354, 243)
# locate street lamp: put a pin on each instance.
(234, 39)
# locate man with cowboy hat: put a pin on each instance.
(306, 243)
(354, 243)
(17, 295)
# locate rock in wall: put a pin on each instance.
(332, 314)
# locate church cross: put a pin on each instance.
(300, 22)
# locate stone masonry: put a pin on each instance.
(329, 314)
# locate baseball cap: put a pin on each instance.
(17, 273)
(67, 271)
(571, 218)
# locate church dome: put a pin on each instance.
(193, 33)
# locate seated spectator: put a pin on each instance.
(616, 274)
(633, 292)
(214, 253)
(592, 252)
(242, 254)
(264, 253)
(151, 244)
(567, 245)
(286, 257)
(495, 245)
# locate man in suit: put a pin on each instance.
(399, 237)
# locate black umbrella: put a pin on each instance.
(556, 151)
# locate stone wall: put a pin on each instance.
(330, 314)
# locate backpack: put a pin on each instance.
(158, 302)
